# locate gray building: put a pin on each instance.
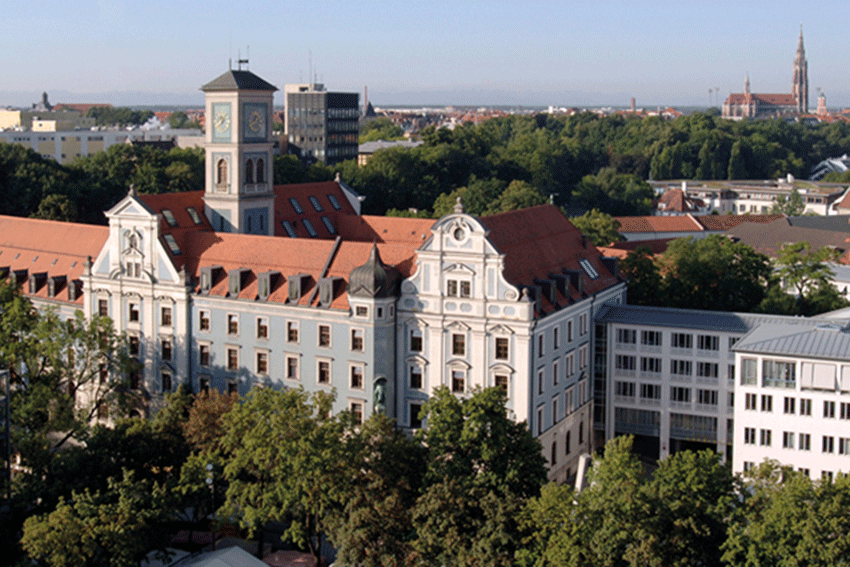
(322, 124)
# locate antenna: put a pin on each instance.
(230, 51)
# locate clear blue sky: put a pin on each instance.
(424, 52)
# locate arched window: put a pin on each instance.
(221, 172)
(249, 171)
(261, 171)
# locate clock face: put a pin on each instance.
(255, 121)
(221, 122)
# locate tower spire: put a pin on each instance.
(800, 86)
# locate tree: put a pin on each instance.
(204, 428)
(285, 463)
(790, 206)
(380, 129)
(644, 277)
(808, 274)
(482, 468)
(375, 526)
(115, 528)
(602, 229)
(614, 193)
(713, 273)
(517, 195)
(56, 207)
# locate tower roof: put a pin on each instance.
(374, 278)
(238, 80)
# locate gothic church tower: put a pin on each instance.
(800, 88)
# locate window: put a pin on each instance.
(415, 340)
(778, 374)
(765, 437)
(554, 411)
(262, 363)
(708, 342)
(787, 440)
(805, 443)
(556, 339)
(292, 367)
(845, 410)
(315, 202)
(567, 443)
(582, 357)
(133, 315)
(451, 288)
(287, 226)
(296, 206)
(553, 459)
(415, 377)
(357, 377)
(624, 389)
(582, 324)
(334, 203)
(361, 311)
(232, 359)
(626, 336)
(707, 369)
(843, 446)
(749, 465)
(501, 348)
(650, 338)
(204, 320)
(540, 381)
(458, 345)
(310, 230)
(624, 362)
(829, 410)
(683, 341)
(748, 371)
(165, 317)
(357, 340)
(750, 401)
(570, 330)
(805, 407)
(166, 349)
(569, 363)
(291, 332)
(221, 172)
(232, 324)
(788, 406)
(555, 373)
(103, 307)
(730, 372)
(730, 399)
(415, 420)
(134, 346)
(680, 395)
(323, 374)
(650, 391)
(465, 288)
(458, 381)
(540, 340)
(262, 328)
(581, 433)
(749, 436)
(707, 397)
(196, 218)
(324, 336)
(232, 387)
(204, 355)
(165, 378)
(766, 403)
(828, 444)
(569, 403)
(357, 411)
(651, 365)
(681, 367)
(502, 382)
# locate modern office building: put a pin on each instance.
(322, 125)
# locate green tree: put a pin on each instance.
(644, 276)
(56, 207)
(602, 229)
(204, 428)
(517, 195)
(614, 193)
(807, 273)
(380, 129)
(790, 206)
(274, 439)
(482, 468)
(115, 528)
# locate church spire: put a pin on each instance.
(800, 87)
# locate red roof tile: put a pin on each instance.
(725, 222)
(369, 228)
(678, 223)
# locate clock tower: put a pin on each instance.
(239, 188)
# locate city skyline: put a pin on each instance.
(478, 53)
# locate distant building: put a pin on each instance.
(367, 149)
(322, 124)
(830, 165)
(756, 105)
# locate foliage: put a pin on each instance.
(380, 129)
(203, 428)
(790, 206)
(837, 177)
(118, 116)
(601, 228)
(807, 273)
(116, 527)
(274, 439)
(481, 468)
(644, 276)
(615, 193)
(179, 119)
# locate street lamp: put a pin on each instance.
(211, 483)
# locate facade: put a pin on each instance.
(321, 124)
(753, 105)
(246, 284)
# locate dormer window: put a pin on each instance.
(287, 226)
(309, 226)
(316, 205)
(334, 203)
(296, 205)
(329, 225)
(588, 268)
(172, 244)
(196, 218)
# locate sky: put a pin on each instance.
(414, 52)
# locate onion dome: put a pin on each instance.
(374, 279)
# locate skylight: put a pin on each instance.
(309, 226)
(172, 244)
(169, 217)
(296, 205)
(588, 268)
(315, 202)
(196, 218)
(328, 225)
(334, 203)
(288, 228)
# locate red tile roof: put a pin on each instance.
(540, 240)
(369, 228)
(725, 222)
(57, 248)
(301, 192)
(678, 223)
